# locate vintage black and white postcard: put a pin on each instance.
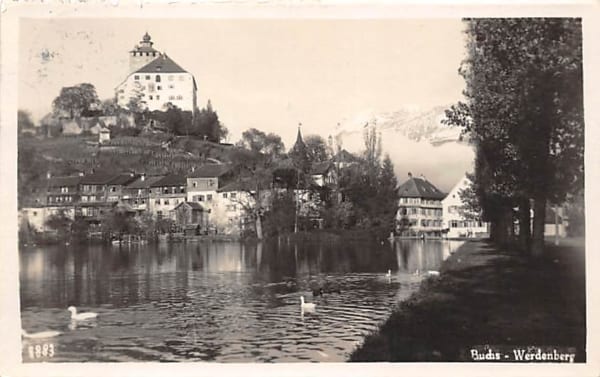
(324, 188)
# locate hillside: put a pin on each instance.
(152, 153)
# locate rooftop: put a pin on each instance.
(170, 180)
(419, 187)
(64, 181)
(145, 182)
(210, 171)
(161, 64)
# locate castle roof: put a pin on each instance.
(419, 187)
(162, 64)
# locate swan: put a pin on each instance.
(433, 273)
(307, 306)
(416, 273)
(389, 274)
(81, 316)
(39, 335)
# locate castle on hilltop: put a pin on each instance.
(155, 81)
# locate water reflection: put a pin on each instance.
(219, 301)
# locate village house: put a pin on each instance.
(230, 212)
(137, 193)
(419, 208)
(166, 194)
(459, 222)
(116, 187)
(62, 191)
(191, 217)
(203, 182)
(154, 80)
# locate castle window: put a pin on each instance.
(157, 97)
(147, 77)
(147, 54)
(171, 86)
(158, 87)
(171, 77)
(180, 97)
(171, 97)
(136, 77)
(150, 97)
(209, 198)
(181, 78)
(157, 78)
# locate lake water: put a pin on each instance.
(216, 301)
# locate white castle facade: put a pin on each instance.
(155, 80)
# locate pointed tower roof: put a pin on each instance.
(299, 140)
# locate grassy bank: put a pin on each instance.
(488, 296)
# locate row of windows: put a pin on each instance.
(60, 199)
(157, 78)
(135, 53)
(179, 97)
(419, 201)
(422, 211)
(431, 223)
(465, 224)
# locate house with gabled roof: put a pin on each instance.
(154, 80)
(458, 221)
(166, 193)
(419, 208)
(204, 181)
(137, 193)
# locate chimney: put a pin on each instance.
(48, 175)
(409, 175)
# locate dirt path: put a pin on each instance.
(488, 296)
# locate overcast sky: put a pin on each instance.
(268, 74)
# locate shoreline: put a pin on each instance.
(486, 295)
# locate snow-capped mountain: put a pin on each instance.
(416, 141)
(412, 122)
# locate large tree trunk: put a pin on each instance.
(525, 224)
(500, 229)
(259, 230)
(539, 215)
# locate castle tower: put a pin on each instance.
(142, 54)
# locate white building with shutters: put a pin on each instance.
(156, 80)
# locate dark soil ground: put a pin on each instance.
(485, 295)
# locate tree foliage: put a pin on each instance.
(73, 100)
(24, 120)
(524, 113)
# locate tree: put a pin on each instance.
(73, 100)
(316, 148)
(524, 113)
(24, 120)
(60, 223)
(259, 142)
(387, 196)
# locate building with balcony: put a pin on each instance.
(419, 208)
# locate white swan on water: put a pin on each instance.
(81, 316)
(39, 335)
(307, 306)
